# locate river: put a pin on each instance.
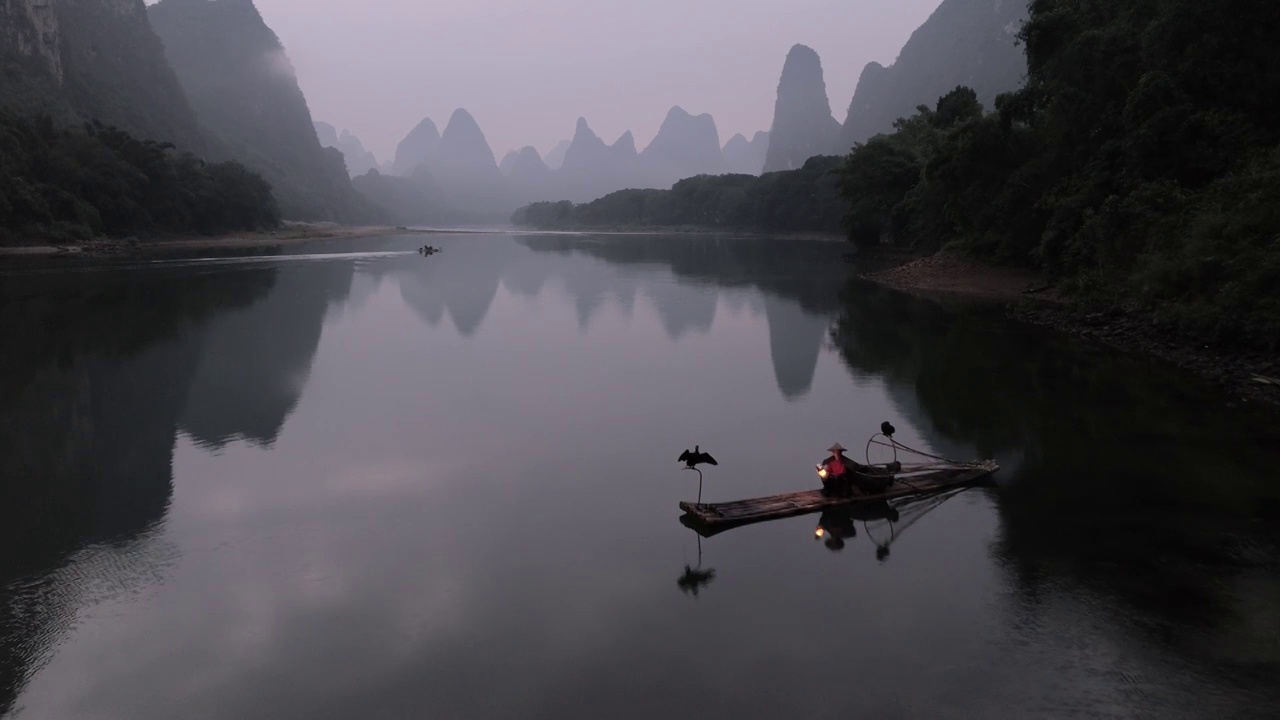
(343, 480)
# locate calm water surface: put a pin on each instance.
(350, 482)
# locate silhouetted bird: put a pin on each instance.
(697, 457)
(887, 429)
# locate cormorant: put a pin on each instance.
(697, 457)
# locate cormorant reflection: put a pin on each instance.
(694, 578)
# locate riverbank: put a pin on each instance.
(1250, 378)
(293, 233)
(699, 230)
(948, 273)
(290, 233)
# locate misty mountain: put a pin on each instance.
(685, 146)
(359, 160)
(326, 134)
(414, 200)
(555, 158)
(507, 162)
(965, 42)
(802, 123)
(591, 167)
(463, 149)
(524, 166)
(451, 177)
(624, 148)
(588, 155)
(242, 87)
(416, 148)
(744, 156)
(78, 60)
(464, 178)
(464, 166)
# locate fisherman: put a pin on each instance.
(836, 473)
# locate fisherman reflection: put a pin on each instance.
(834, 527)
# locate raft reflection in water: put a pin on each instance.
(883, 523)
(837, 525)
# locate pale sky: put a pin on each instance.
(528, 69)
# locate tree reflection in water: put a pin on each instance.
(1119, 476)
(113, 366)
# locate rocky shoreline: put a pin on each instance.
(1247, 378)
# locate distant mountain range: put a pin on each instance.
(358, 160)
(964, 42)
(210, 77)
(555, 158)
(746, 157)
(524, 165)
(467, 182)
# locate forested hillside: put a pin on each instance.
(97, 137)
(806, 199)
(59, 184)
(964, 42)
(1140, 163)
(244, 92)
(93, 60)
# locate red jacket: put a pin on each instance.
(835, 466)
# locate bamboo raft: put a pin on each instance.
(911, 481)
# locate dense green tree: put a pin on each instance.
(60, 183)
(807, 199)
(876, 180)
(1137, 165)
